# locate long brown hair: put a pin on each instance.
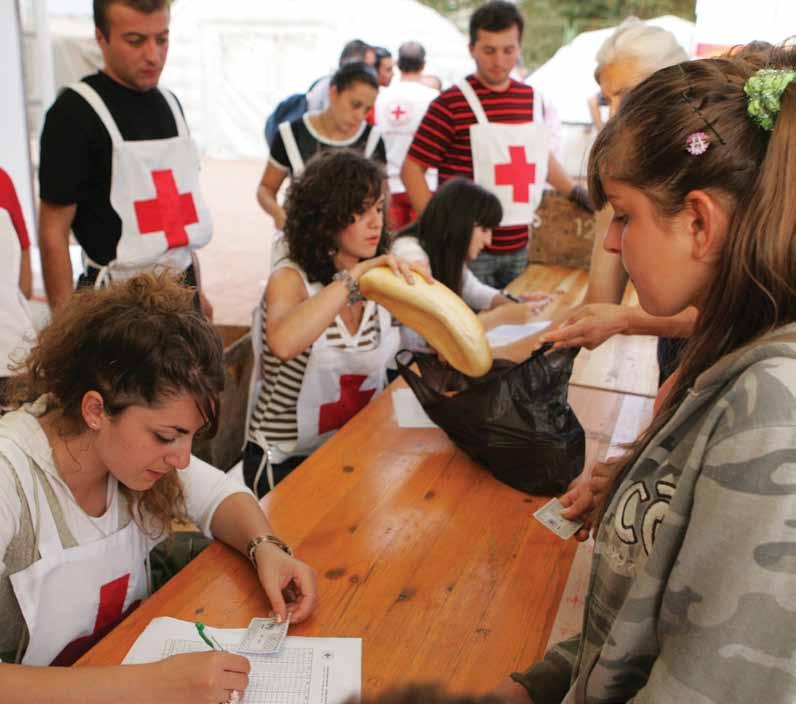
(748, 167)
(136, 342)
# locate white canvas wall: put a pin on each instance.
(230, 63)
(14, 145)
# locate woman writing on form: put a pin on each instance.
(121, 381)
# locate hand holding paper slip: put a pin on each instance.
(550, 517)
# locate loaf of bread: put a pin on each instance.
(435, 312)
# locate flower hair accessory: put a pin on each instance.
(697, 143)
(764, 92)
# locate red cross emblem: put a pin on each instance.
(518, 173)
(398, 112)
(169, 212)
(109, 614)
(335, 415)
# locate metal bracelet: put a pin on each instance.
(344, 276)
(254, 542)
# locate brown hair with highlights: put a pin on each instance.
(753, 170)
(136, 342)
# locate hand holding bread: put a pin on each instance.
(435, 312)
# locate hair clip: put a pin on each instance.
(764, 94)
(686, 95)
(697, 143)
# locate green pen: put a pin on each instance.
(208, 637)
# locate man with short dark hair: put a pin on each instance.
(384, 66)
(357, 50)
(488, 127)
(398, 111)
(118, 167)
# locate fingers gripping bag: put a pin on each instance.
(515, 421)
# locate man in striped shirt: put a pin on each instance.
(442, 140)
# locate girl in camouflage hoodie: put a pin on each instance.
(692, 595)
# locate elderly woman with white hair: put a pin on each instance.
(631, 54)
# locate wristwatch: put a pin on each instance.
(254, 542)
(351, 283)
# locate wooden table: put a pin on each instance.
(439, 568)
(624, 363)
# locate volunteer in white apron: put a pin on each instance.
(352, 93)
(509, 160)
(155, 191)
(73, 548)
(321, 352)
(118, 167)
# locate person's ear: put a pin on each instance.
(100, 37)
(708, 222)
(333, 93)
(93, 410)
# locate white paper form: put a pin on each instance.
(504, 335)
(305, 671)
(408, 411)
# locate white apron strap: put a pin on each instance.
(538, 107)
(255, 382)
(44, 529)
(179, 118)
(104, 275)
(85, 91)
(373, 142)
(293, 153)
(473, 101)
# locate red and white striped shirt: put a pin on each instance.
(442, 140)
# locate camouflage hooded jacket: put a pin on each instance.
(692, 595)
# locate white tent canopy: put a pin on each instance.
(230, 63)
(723, 23)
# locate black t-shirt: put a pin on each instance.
(76, 152)
(309, 143)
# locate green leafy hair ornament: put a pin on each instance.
(764, 92)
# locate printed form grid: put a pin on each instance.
(274, 679)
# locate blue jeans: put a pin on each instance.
(499, 270)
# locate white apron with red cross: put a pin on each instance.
(509, 160)
(71, 597)
(339, 381)
(155, 192)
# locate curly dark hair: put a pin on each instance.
(335, 187)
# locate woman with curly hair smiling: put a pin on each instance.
(324, 350)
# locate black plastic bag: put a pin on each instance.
(515, 420)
